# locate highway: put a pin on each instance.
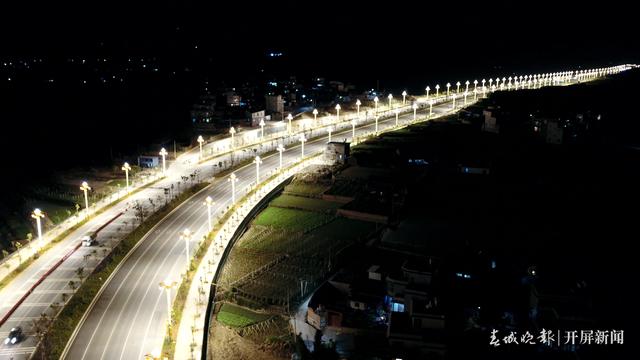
(128, 317)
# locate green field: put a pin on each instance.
(291, 219)
(305, 189)
(304, 203)
(238, 317)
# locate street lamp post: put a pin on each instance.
(315, 115)
(457, 87)
(164, 153)
(186, 236)
(390, 97)
(404, 97)
(200, 141)
(257, 161)
(448, 86)
(38, 214)
(85, 187)
(166, 287)
(126, 167)
(358, 103)
(475, 94)
(232, 131)
(262, 124)
(466, 83)
(397, 111)
(208, 202)
(302, 141)
(430, 108)
(465, 97)
(453, 104)
(415, 109)
(329, 131)
(280, 149)
(437, 90)
(475, 84)
(427, 89)
(375, 100)
(233, 179)
(290, 117)
(337, 113)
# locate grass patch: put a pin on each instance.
(237, 317)
(291, 219)
(305, 189)
(65, 323)
(304, 203)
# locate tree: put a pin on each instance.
(140, 212)
(72, 285)
(41, 327)
(80, 273)
(29, 237)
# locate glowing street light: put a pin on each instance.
(390, 97)
(453, 104)
(490, 82)
(475, 94)
(502, 84)
(430, 108)
(404, 97)
(208, 202)
(186, 236)
(166, 286)
(466, 83)
(483, 87)
(290, 117)
(475, 84)
(315, 115)
(338, 113)
(280, 149)
(257, 161)
(397, 111)
(415, 109)
(427, 89)
(233, 179)
(38, 214)
(126, 168)
(358, 103)
(85, 187)
(329, 131)
(262, 124)
(437, 90)
(457, 87)
(232, 131)
(302, 141)
(465, 97)
(200, 141)
(164, 153)
(375, 100)
(448, 86)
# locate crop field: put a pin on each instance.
(305, 189)
(235, 316)
(304, 203)
(291, 219)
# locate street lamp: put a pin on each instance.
(337, 113)
(448, 86)
(167, 286)
(427, 89)
(465, 97)
(208, 202)
(466, 83)
(502, 84)
(475, 94)
(262, 124)
(290, 117)
(329, 130)
(397, 111)
(85, 187)
(38, 214)
(483, 87)
(431, 108)
(358, 103)
(490, 82)
(126, 169)
(186, 236)
(302, 141)
(437, 90)
(453, 104)
(315, 115)
(390, 97)
(257, 161)
(375, 100)
(280, 149)
(475, 84)
(353, 129)
(164, 153)
(404, 97)
(415, 109)
(200, 141)
(457, 87)
(232, 131)
(233, 179)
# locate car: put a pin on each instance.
(15, 336)
(89, 239)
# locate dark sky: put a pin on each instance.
(346, 36)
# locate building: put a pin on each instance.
(337, 152)
(274, 105)
(257, 117)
